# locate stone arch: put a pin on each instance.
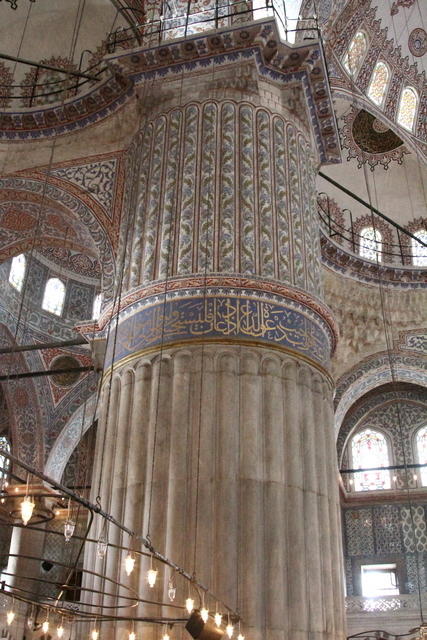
(24, 410)
(32, 194)
(70, 437)
(374, 372)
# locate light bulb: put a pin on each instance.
(151, 577)
(171, 591)
(218, 619)
(240, 637)
(95, 634)
(27, 508)
(132, 635)
(69, 527)
(45, 626)
(60, 631)
(189, 604)
(204, 614)
(10, 617)
(129, 563)
(101, 546)
(165, 636)
(229, 630)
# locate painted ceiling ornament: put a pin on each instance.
(368, 139)
(417, 42)
(400, 3)
(6, 81)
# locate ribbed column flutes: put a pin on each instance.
(296, 530)
(313, 565)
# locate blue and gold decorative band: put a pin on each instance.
(221, 316)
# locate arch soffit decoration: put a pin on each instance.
(69, 438)
(66, 199)
(24, 410)
(374, 372)
(359, 419)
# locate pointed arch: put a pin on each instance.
(379, 83)
(421, 452)
(17, 271)
(54, 296)
(408, 105)
(355, 53)
(369, 449)
(370, 244)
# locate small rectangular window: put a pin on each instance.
(379, 580)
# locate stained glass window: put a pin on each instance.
(4, 462)
(407, 108)
(54, 295)
(378, 85)
(96, 309)
(370, 244)
(17, 271)
(419, 253)
(369, 450)
(421, 444)
(355, 53)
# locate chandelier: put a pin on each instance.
(14, 3)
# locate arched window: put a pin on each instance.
(378, 85)
(369, 450)
(421, 445)
(4, 461)
(355, 53)
(17, 271)
(407, 108)
(419, 253)
(370, 244)
(54, 295)
(96, 309)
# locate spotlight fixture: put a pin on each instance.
(129, 563)
(151, 574)
(189, 604)
(201, 630)
(10, 616)
(27, 508)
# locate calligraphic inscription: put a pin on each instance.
(219, 317)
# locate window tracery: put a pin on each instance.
(370, 244)
(355, 53)
(17, 271)
(378, 85)
(407, 108)
(54, 296)
(96, 309)
(421, 447)
(419, 253)
(369, 450)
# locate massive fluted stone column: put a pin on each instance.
(218, 439)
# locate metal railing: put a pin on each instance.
(394, 247)
(165, 21)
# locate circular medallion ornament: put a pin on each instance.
(70, 377)
(417, 42)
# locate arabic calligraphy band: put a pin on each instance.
(188, 316)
